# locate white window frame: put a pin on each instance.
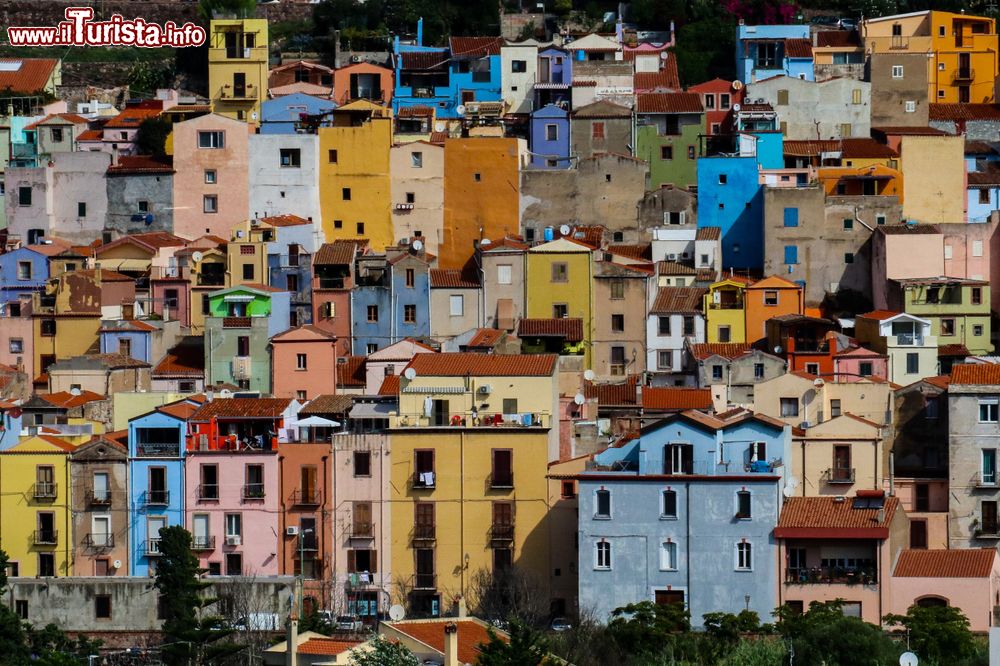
(668, 555)
(992, 405)
(458, 299)
(505, 274)
(234, 520)
(216, 139)
(738, 555)
(607, 558)
(897, 71)
(910, 106)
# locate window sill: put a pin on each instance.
(663, 517)
(602, 517)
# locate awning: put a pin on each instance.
(434, 389)
(372, 410)
(237, 298)
(317, 422)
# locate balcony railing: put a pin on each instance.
(360, 581)
(99, 540)
(909, 340)
(236, 322)
(424, 532)
(306, 543)
(425, 581)
(209, 280)
(249, 91)
(964, 74)
(331, 283)
(467, 420)
(221, 53)
(202, 542)
(208, 491)
(830, 575)
(156, 497)
(102, 498)
(502, 481)
(840, 475)
(502, 532)
(44, 491)
(253, 491)
(152, 547)
(985, 479)
(45, 537)
(424, 480)
(306, 497)
(157, 449)
(362, 531)
(726, 306)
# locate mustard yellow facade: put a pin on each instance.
(237, 67)
(725, 307)
(559, 283)
(961, 51)
(934, 188)
(35, 526)
(354, 174)
(61, 336)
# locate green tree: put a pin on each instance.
(382, 652)
(823, 635)
(646, 627)
(192, 636)
(527, 647)
(937, 634)
(13, 641)
(151, 137)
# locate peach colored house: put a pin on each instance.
(390, 361)
(771, 297)
(967, 579)
(210, 193)
(926, 504)
(304, 363)
(901, 251)
(17, 340)
(362, 80)
(231, 500)
(851, 365)
(332, 282)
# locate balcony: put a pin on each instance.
(208, 492)
(45, 537)
(152, 547)
(307, 543)
(909, 340)
(830, 576)
(424, 480)
(519, 420)
(101, 498)
(241, 93)
(331, 283)
(44, 491)
(501, 532)
(236, 322)
(732, 305)
(360, 581)
(158, 449)
(252, 491)
(306, 498)
(202, 542)
(362, 531)
(840, 475)
(424, 532)
(223, 54)
(211, 280)
(501, 481)
(963, 75)
(425, 581)
(99, 541)
(156, 497)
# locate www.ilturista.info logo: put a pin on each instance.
(79, 30)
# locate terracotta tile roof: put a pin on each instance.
(471, 634)
(424, 59)
(908, 131)
(30, 77)
(940, 381)
(68, 118)
(798, 48)
(748, 107)
(957, 349)
(506, 243)
(285, 220)
(980, 374)
(673, 102)
(337, 252)
(328, 403)
(830, 515)
(185, 359)
(958, 563)
(117, 325)
(476, 47)
(879, 315)
(452, 278)
(438, 138)
(903, 229)
(979, 148)
(55, 441)
(351, 372)
(708, 233)
(97, 361)
(848, 148)
(132, 116)
(246, 408)
(138, 164)
(638, 251)
(678, 300)
(612, 394)
(485, 337)
(602, 109)
(963, 112)
(483, 365)
(665, 79)
(674, 268)
(988, 178)
(90, 135)
(326, 646)
(106, 275)
(568, 328)
(730, 350)
(837, 38)
(182, 409)
(390, 385)
(66, 400)
(417, 111)
(675, 398)
(152, 241)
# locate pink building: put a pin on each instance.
(390, 361)
(968, 249)
(902, 251)
(965, 579)
(858, 363)
(232, 502)
(210, 192)
(305, 363)
(332, 282)
(17, 339)
(362, 80)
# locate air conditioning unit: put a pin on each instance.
(485, 389)
(292, 530)
(234, 540)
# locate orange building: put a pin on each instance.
(362, 80)
(771, 297)
(481, 195)
(872, 180)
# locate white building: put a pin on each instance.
(284, 177)
(676, 316)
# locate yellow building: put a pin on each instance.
(469, 488)
(246, 257)
(237, 67)
(961, 51)
(934, 190)
(725, 308)
(838, 457)
(558, 284)
(34, 506)
(354, 184)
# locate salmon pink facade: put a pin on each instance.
(305, 363)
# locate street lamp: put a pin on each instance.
(746, 599)
(302, 564)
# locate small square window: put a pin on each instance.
(666, 152)
(723, 179)
(331, 156)
(848, 257)
(210, 176)
(360, 228)
(210, 203)
(417, 160)
(345, 193)
(411, 197)
(290, 157)
(897, 71)
(848, 223)
(478, 177)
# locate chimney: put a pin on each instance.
(451, 645)
(114, 155)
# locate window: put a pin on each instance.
(668, 556)
(932, 407)
(848, 257)
(411, 197)
(360, 228)
(301, 362)
(46, 564)
(560, 311)
(766, 55)
(552, 132)
(417, 160)
(666, 152)
(57, 135)
(709, 101)
(81, 209)
(504, 275)
(248, 271)
(988, 409)
(602, 499)
(988, 467)
(502, 469)
(912, 363)
(782, 98)
(345, 193)
(897, 71)
(410, 314)
(977, 248)
(597, 130)
(725, 333)
(24, 270)
(789, 407)
(243, 345)
(716, 372)
(834, 408)
(977, 330)
(21, 608)
(16, 346)
(663, 326)
(47, 327)
(668, 503)
(603, 555)
(518, 66)
(723, 179)
(567, 490)
(210, 176)
(234, 564)
(758, 371)
(856, 96)
(362, 463)
(234, 525)
(791, 254)
(688, 325)
(291, 157)
(770, 297)
(791, 217)
(24, 196)
(560, 272)
(743, 507)
(664, 360)
(617, 323)
(617, 289)
(102, 606)
(373, 313)
(411, 278)
(744, 556)
(947, 326)
(865, 368)
(724, 101)
(211, 139)
(331, 155)
(456, 305)
(210, 203)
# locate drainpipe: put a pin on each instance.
(892, 474)
(860, 221)
(321, 527)
(687, 545)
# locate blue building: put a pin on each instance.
(130, 337)
(763, 51)
(390, 300)
(731, 197)
(982, 164)
(11, 418)
(446, 78)
(554, 78)
(550, 139)
(23, 272)
(685, 514)
(280, 115)
(156, 444)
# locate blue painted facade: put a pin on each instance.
(140, 342)
(555, 76)
(731, 197)
(983, 196)
(156, 442)
(11, 284)
(279, 115)
(391, 296)
(761, 52)
(695, 503)
(279, 271)
(10, 427)
(544, 147)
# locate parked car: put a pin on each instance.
(258, 622)
(824, 20)
(349, 623)
(560, 624)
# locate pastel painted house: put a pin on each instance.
(282, 115)
(958, 309)
(763, 51)
(550, 138)
(906, 340)
(23, 271)
(668, 131)
(838, 456)
(304, 363)
(703, 496)
(554, 78)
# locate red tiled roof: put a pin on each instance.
(672, 102)
(470, 635)
(879, 315)
(908, 131)
(730, 350)
(285, 220)
(963, 112)
(859, 148)
(665, 79)
(90, 135)
(832, 517)
(132, 116)
(568, 328)
(612, 394)
(837, 38)
(182, 409)
(70, 118)
(67, 400)
(351, 372)
(30, 77)
(328, 403)
(940, 381)
(748, 107)
(903, 229)
(483, 365)
(424, 59)
(675, 398)
(674, 268)
(708, 233)
(438, 137)
(246, 408)
(958, 563)
(337, 252)
(55, 441)
(476, 47)
(452, 278)
(602, 109)
(142, 164)
(678, 299)
(485, 337)
(638, 251)
(798, 48)
(988, 178)
(957, 349)
(390, 385)
(981, 374)
(505, 243)
(185, 359)
(326, 646)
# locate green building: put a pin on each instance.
(668, 126)
(958, 309)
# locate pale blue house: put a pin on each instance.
(130, 337)
(982, 163)
(685, 514)
(22, 272)
(280, 115)
(763, 51)
(550, 140)
(390, 301)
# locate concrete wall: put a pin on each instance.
(517, 88)
(967, 438)
(810, 111)
(278, 190)
(617, 135)
(890, 95)
(127, 190)
(933, 178)
(426, 184)
(444, 324)
(630, 307)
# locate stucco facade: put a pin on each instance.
(899, 89)
(283, 176)
(834, 109)
(138, 200)
(304, 363)
(619, 330)
(933, 178)
(417, 192)
(838, 457)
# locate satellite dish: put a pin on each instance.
(737, 85)
(485, 241)
(579, 398)
(396, 613)
(197, 256)
(664, 55)
(440, 127)
(225, 393)
(253, 115)
(792, 482)
(736, 108)
(117, 564)
(788, 491)
(589, 375)
(818, 382)
(777, 349)
(410, 373)
(908, 659)
(417, 245)
(460, 109)
(74, 391)
(564, 230)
